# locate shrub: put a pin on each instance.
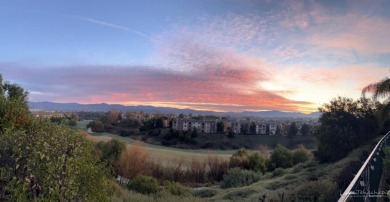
(278, 172)
(315, 191)
(300, 155)
(239, 195)
(155, 169)
(280, 158)
(144, 184)
(208, 144)
(132, 162)
(217, 168)
(168, 142)
(194, 133)
(178, 171)
(96, 126)
(41, 161)
(257, 163)
(124, 133)
(110, 151)
(237, 177)
(197, 170)
(176, 188)
(205, 193)
(240, 159)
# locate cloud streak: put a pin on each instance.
(108, 24)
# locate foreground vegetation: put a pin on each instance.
(44, 161)
(308, 181)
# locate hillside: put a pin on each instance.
(52, 106)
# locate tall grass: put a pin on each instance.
(197, 171)
(218, 167)
(133, 162)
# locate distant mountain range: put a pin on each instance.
(52, 106)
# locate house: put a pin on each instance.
(272, 128)
(261, 129)
(202, 126)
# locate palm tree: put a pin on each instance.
(380, 89)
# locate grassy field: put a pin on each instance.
(167, 154)
(161, 153)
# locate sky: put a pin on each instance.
(220, 55)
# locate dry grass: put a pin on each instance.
(217, 167)
(197, 171)
(133, 162)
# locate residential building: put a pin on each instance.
(261, 129)
(202, 126)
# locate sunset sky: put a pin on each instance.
(222, 55)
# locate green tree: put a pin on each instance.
(41, 161)
(220, 127)
(292, 130)
(96, 126)
(14, 112)
(130, 123)
(240, 159)
(305, 130)
(381, 89)
(278, 131)
(345, 124)
(257, 163)
(194, 133)
(231, 134)
(280, 157)
(252, 128)
(110, 151)
(300, 155)
(144, 184)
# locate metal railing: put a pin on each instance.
(365, 184)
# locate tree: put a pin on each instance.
(281, 157)
(112, 117)
(14, 112)
(240, 159)
(257, 163)
(252, 128)
(278, 131)
(345, 124)
(130, 123)
(381, 89)
(75, 117)
(96, 126)
(220, 127)
(41, 161)
(305, 130)
(153, 123)
(50, 162)
(194, 133)
(110, 151)
(292, 130)
(231, 134)
(300, 155)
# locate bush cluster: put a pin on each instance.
(237, 177)
(144, 184)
